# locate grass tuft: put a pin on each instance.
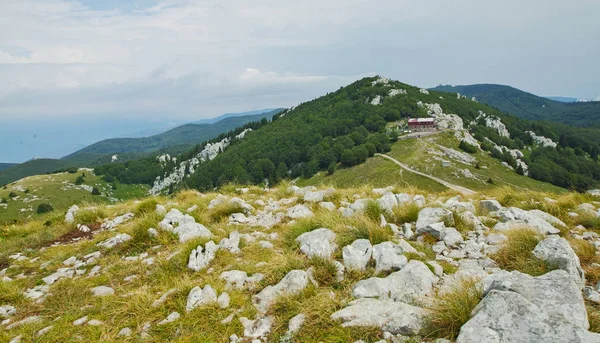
(517, 252)
(452, 309)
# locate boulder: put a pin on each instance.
(387, 202)
(189, 231)
(520, 308)
(431, 215)
(170, 318)
(327, 205)
(388, 256)
(200, 297)
(293, 283)
(317, 196)
(391, 316)
(317, 243)
(70, 215)
(412, 283)
(257, 328)
(490, 205)
(557, 253)
(299, 211)
(357, 255)
(232, 243)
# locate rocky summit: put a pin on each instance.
(292, 264)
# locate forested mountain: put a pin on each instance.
(529, 106)
(174, 141)
(33, 167)
(351, 124)
(233, 115)
(6, 165)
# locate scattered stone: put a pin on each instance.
(429, 215)
(357, 255)
(258, 328)
(199, 260)
(388, 256)
(44, 331)
(80, 321)
(7, 311)
(200, 297)
(114, 241)
(125, 332)
(557, 252)
(317, 243)
(102, 291)
(299, 211)
(293, 283)
(170, 318)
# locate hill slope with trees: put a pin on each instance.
(347, 126)
(529, 106)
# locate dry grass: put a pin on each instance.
(517, 252)
(407, 213)
(593, 311)
(452, 309)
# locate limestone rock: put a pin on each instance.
(391, 316)
(102, 291)
(170, 318)
(299, 211)
(413, 282)
(317, 243)
(199, 260)
(257, 328)
(293, 283)
(114, 241)
(388, 256)
(557, 252)
(357, 255)
(200, 297)
(430, 215)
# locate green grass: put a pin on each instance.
(413, 152)
(59, 190)
(517, 252)
(376, 172)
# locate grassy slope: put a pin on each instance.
(59, 190)
(33, 167)
(378, 172)
(530, 106)
(179, 139)
(131, 306)
(414, 153)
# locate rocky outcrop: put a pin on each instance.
(317, 243)
(520, 308)
(557, 253)
(357, 255)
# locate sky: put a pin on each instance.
(90, 69)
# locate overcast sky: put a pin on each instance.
(186, 60)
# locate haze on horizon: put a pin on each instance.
(67, 63)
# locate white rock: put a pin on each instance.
(388, 256)
(170, 318)
(7, 311)
(299, 211)
(293, 283)
(125, 332)
(95, 322)
(44, 331)
(114, 241)
(80, 321)
(200, 297)
(557, 252)
(357, 255)
(328, 206)
(257, 328)
(412, 283)
(199, 260)
(152, 232)
(295, 324)
(160, 210)
(431, 215)
(70, 216)
(223, 300)
(232, 243)
(317, 243)
(391, 316)
(163, 297)
(102, 291)
(387, 202)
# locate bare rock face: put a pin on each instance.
(184, 226)
(293, 283)
(557, 252)
(520, 308)
(515, 217)
(357, 255)
(414, 281)
(317, 243)
(391, 316)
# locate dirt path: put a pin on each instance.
(460, 189)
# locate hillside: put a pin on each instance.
(34, 167)
(292, 264)
(20, 200)
(177, 140)
(6, 165)
(240, 114)
(529, 106)
(347, 126)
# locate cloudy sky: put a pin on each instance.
(69, 61)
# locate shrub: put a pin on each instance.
(332, 168)
(466, 147)
(12, 195)
(490, 181)
(80, 180)
(44, 208)
(452, 309)
(95, 191)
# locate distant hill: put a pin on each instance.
(562, 98)
(174, 141)
(231, 115)
(33, 167)
(530, 106)
(6, 165)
